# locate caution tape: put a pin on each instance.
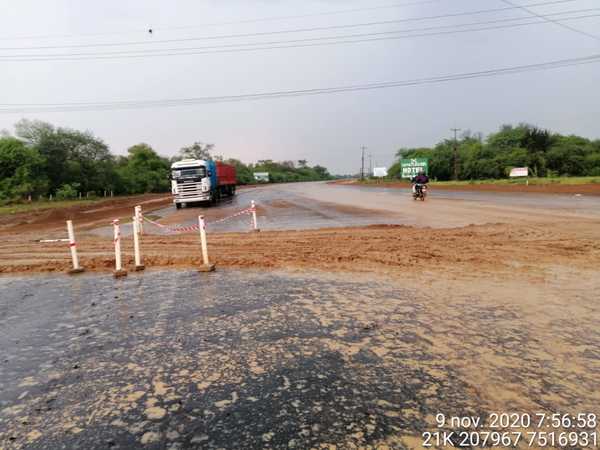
(240, 213)
(193, 228)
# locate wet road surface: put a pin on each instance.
(233, 360)
(248, 360)
(321, 205)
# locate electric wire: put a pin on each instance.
(297, 43)
(570, 28)
(142, 104)
(202, 25)
(296, 30)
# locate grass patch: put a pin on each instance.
(43, 205)
(532, 181)
(502, 181)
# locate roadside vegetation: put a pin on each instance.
(500, 181)
(548, 155)
(42, 162)
(14, 208)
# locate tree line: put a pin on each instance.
(40, 160)
(546, 154)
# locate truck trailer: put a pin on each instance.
(196, 180)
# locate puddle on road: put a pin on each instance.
(229, 360)
(278, 210)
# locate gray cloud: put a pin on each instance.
(329, 129)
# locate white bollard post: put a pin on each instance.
(119, 272)
(138, 214)
(136, 246)
(254, 222)
(73, 247)
(206, 266)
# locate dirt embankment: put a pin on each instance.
(87, 216)
(552, 188)
(401, 249)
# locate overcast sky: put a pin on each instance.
(324, 129)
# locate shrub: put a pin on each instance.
(66, 192)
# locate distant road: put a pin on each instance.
(445, 208)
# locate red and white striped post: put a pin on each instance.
(140, 218)
(206, 266)
(119, 271)
(254, 222)
(73, 247)
(136, 244)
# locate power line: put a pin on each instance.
(187, 27)
(296, 30)
(570, 28)
(132, 104)
(297, 43)
(356, 35)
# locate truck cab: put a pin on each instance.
(196, 180)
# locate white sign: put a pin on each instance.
(380, 172)
(519, 172)
(261, 176)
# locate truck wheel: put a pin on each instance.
(178, 205)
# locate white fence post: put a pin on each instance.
(138, 214)
(73, 247)
(206, 266)
(254, 222)
(119, 272)
(136, 245)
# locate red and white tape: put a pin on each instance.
(193, 228)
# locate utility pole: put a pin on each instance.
(362, 164)
(370, 164)
(456, 130)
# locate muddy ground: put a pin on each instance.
(338, 334)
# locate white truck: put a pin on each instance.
(197, 180)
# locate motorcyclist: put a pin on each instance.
(420, 180)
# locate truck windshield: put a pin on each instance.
(189, 172)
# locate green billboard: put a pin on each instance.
(411, 167)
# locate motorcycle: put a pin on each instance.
(420, 192)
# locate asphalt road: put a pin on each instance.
(236, 360)
(322, 205)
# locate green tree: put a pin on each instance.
(21, 169)
(72, 157)
(144, 170)
(197, 150)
